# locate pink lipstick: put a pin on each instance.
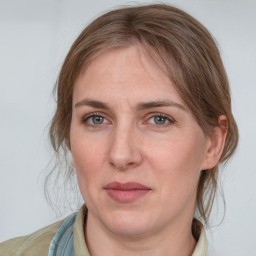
(126, 192)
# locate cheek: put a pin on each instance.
(177, 163)
(179, 154)
(86, 149)
(88, 157)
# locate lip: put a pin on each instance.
(126, 192)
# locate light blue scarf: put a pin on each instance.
(62, 243)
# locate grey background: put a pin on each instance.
(34, 39)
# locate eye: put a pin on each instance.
(94, 120)
(97, 119)
(160, 120)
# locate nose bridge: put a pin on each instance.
(124, 147)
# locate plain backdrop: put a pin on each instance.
(36, 35)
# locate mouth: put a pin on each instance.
(126, 192)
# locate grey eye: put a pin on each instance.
(160, 119)
(97, 119)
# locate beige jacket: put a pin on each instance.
(38, 243)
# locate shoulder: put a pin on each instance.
(34, 244)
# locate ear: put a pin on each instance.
(215, 144)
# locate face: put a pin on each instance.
(136, 147)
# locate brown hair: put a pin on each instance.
(193, 64)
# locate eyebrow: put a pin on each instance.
(139, 107)
(92, 103)
(159, 103)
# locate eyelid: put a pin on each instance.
(159, 114)
(87, 116)
(149, 116)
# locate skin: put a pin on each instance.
(123, 144)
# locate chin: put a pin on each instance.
(128, 223)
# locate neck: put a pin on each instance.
(177, 240)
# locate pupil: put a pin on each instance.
(159, 120)
(97, 120)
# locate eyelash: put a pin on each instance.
(85, 119)
(167, 118)
(153, 115)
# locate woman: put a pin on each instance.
(144, 108)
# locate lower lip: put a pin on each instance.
(126, 196)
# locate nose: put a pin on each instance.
(124, 152)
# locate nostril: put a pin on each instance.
(121, 166)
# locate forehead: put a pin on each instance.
(127, 72)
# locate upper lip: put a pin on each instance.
(126, 186)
